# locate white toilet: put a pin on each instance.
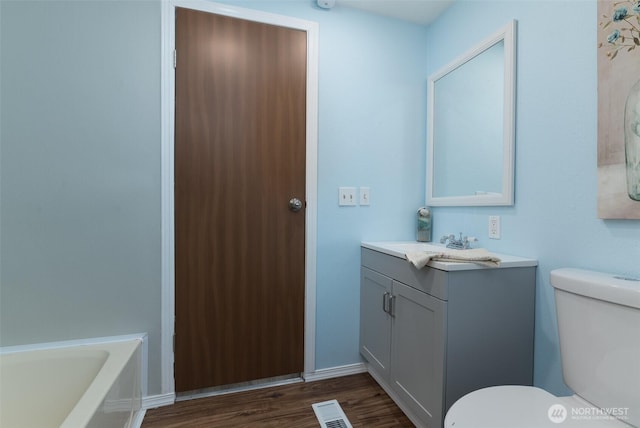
(599, 328)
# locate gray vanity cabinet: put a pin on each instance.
(430, 336)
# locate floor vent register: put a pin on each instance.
(330, 415)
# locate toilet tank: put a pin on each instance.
(599, 328)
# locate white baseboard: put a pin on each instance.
(332, 372)
(153, 401)
(136, 422)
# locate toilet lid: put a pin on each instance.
(512, 406)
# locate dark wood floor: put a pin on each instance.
(361, 399)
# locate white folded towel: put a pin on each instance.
(475, 255)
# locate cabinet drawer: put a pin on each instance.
(429, 280)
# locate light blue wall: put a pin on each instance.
(80, 172)
(372, 110)
(554, 218)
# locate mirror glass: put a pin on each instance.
(470, 142)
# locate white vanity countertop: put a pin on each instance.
(400, 248)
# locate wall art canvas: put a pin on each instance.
(618, 109)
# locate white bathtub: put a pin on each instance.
(78, 386)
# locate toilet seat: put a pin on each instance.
(512, 406)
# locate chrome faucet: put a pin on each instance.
(458, 244)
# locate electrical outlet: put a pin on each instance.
(364, 196)
(347, 196)
(494, 227)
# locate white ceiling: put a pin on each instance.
(418, 11)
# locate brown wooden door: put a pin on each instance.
(240, 134)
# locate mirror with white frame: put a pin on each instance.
(471, 126)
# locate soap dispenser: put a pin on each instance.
(424, 225)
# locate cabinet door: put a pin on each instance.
(417, 352)
(375, 322)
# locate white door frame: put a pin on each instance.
(167, 173)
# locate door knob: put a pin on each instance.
(295, 205)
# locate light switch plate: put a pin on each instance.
(364, 196)
(347, 196)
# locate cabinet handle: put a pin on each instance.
(392, 306)
(385, 302)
